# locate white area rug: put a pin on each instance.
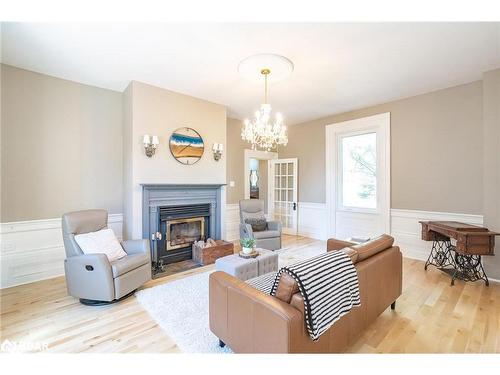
(180, 307)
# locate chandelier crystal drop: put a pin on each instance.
(261, 131)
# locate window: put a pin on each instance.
(359, 171)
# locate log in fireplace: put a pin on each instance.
(180, 226)
(183, 232)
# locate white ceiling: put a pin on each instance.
(337, 67)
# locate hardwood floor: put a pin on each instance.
(430, 317)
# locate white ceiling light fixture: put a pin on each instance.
(261, 131)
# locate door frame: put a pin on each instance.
(381, 121)
(271, 189)
(260, 155)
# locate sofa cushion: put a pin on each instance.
(372, 247)
(287, 287)
(128, 263)
(258, 224)
(266, 234)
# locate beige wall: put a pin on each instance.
(235, 161)
(436, 151)
(155, 111)
(491, 185)
(61, 146)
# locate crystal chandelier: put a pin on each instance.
(261, 131)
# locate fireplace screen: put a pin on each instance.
(183, 232)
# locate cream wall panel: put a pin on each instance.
(33, 250)
(60, 146)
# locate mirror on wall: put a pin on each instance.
(254, 179)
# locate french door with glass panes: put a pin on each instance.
(283, 193)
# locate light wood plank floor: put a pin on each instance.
(431, 317)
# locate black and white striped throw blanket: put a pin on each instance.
(328, 284)
(264, 283)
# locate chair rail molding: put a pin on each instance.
(33, 250)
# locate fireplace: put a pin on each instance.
(183, 232)
(180, 226)
(174, 216)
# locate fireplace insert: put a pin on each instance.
(180, 226)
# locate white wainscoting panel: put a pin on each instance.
(405, 226)
(232, 222)
(33, 250)
(312, 220)
(406, 229)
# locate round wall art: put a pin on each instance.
(186, 145)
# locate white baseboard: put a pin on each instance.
(33, 250)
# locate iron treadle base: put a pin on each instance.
(459, 266)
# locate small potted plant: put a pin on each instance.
(247, 245)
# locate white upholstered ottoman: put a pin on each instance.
(245, 269)
(267, 261)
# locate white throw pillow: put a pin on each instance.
(103, 241)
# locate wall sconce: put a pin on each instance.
(150, 144)
(217, 149)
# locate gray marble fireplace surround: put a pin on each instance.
(155, 196)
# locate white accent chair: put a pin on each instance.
(91, 277)
(270, 238)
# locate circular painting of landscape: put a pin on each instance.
(186, 145)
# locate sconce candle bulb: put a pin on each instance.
(150, 144)
(217, 149)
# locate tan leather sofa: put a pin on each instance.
(250, 321)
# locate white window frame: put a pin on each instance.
(340, 204)
(383, 121)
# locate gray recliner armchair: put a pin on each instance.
(91, 277)
(270, 238)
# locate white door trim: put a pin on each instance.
(255, 154)
(331, 164)
(271, 189)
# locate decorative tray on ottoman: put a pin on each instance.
(253, 254)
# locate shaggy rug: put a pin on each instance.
(180, 307)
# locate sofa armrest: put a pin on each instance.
(89, 276)
(136, 246)
(250, 321)
(274, 225)
(334, 244)
(246, 231)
